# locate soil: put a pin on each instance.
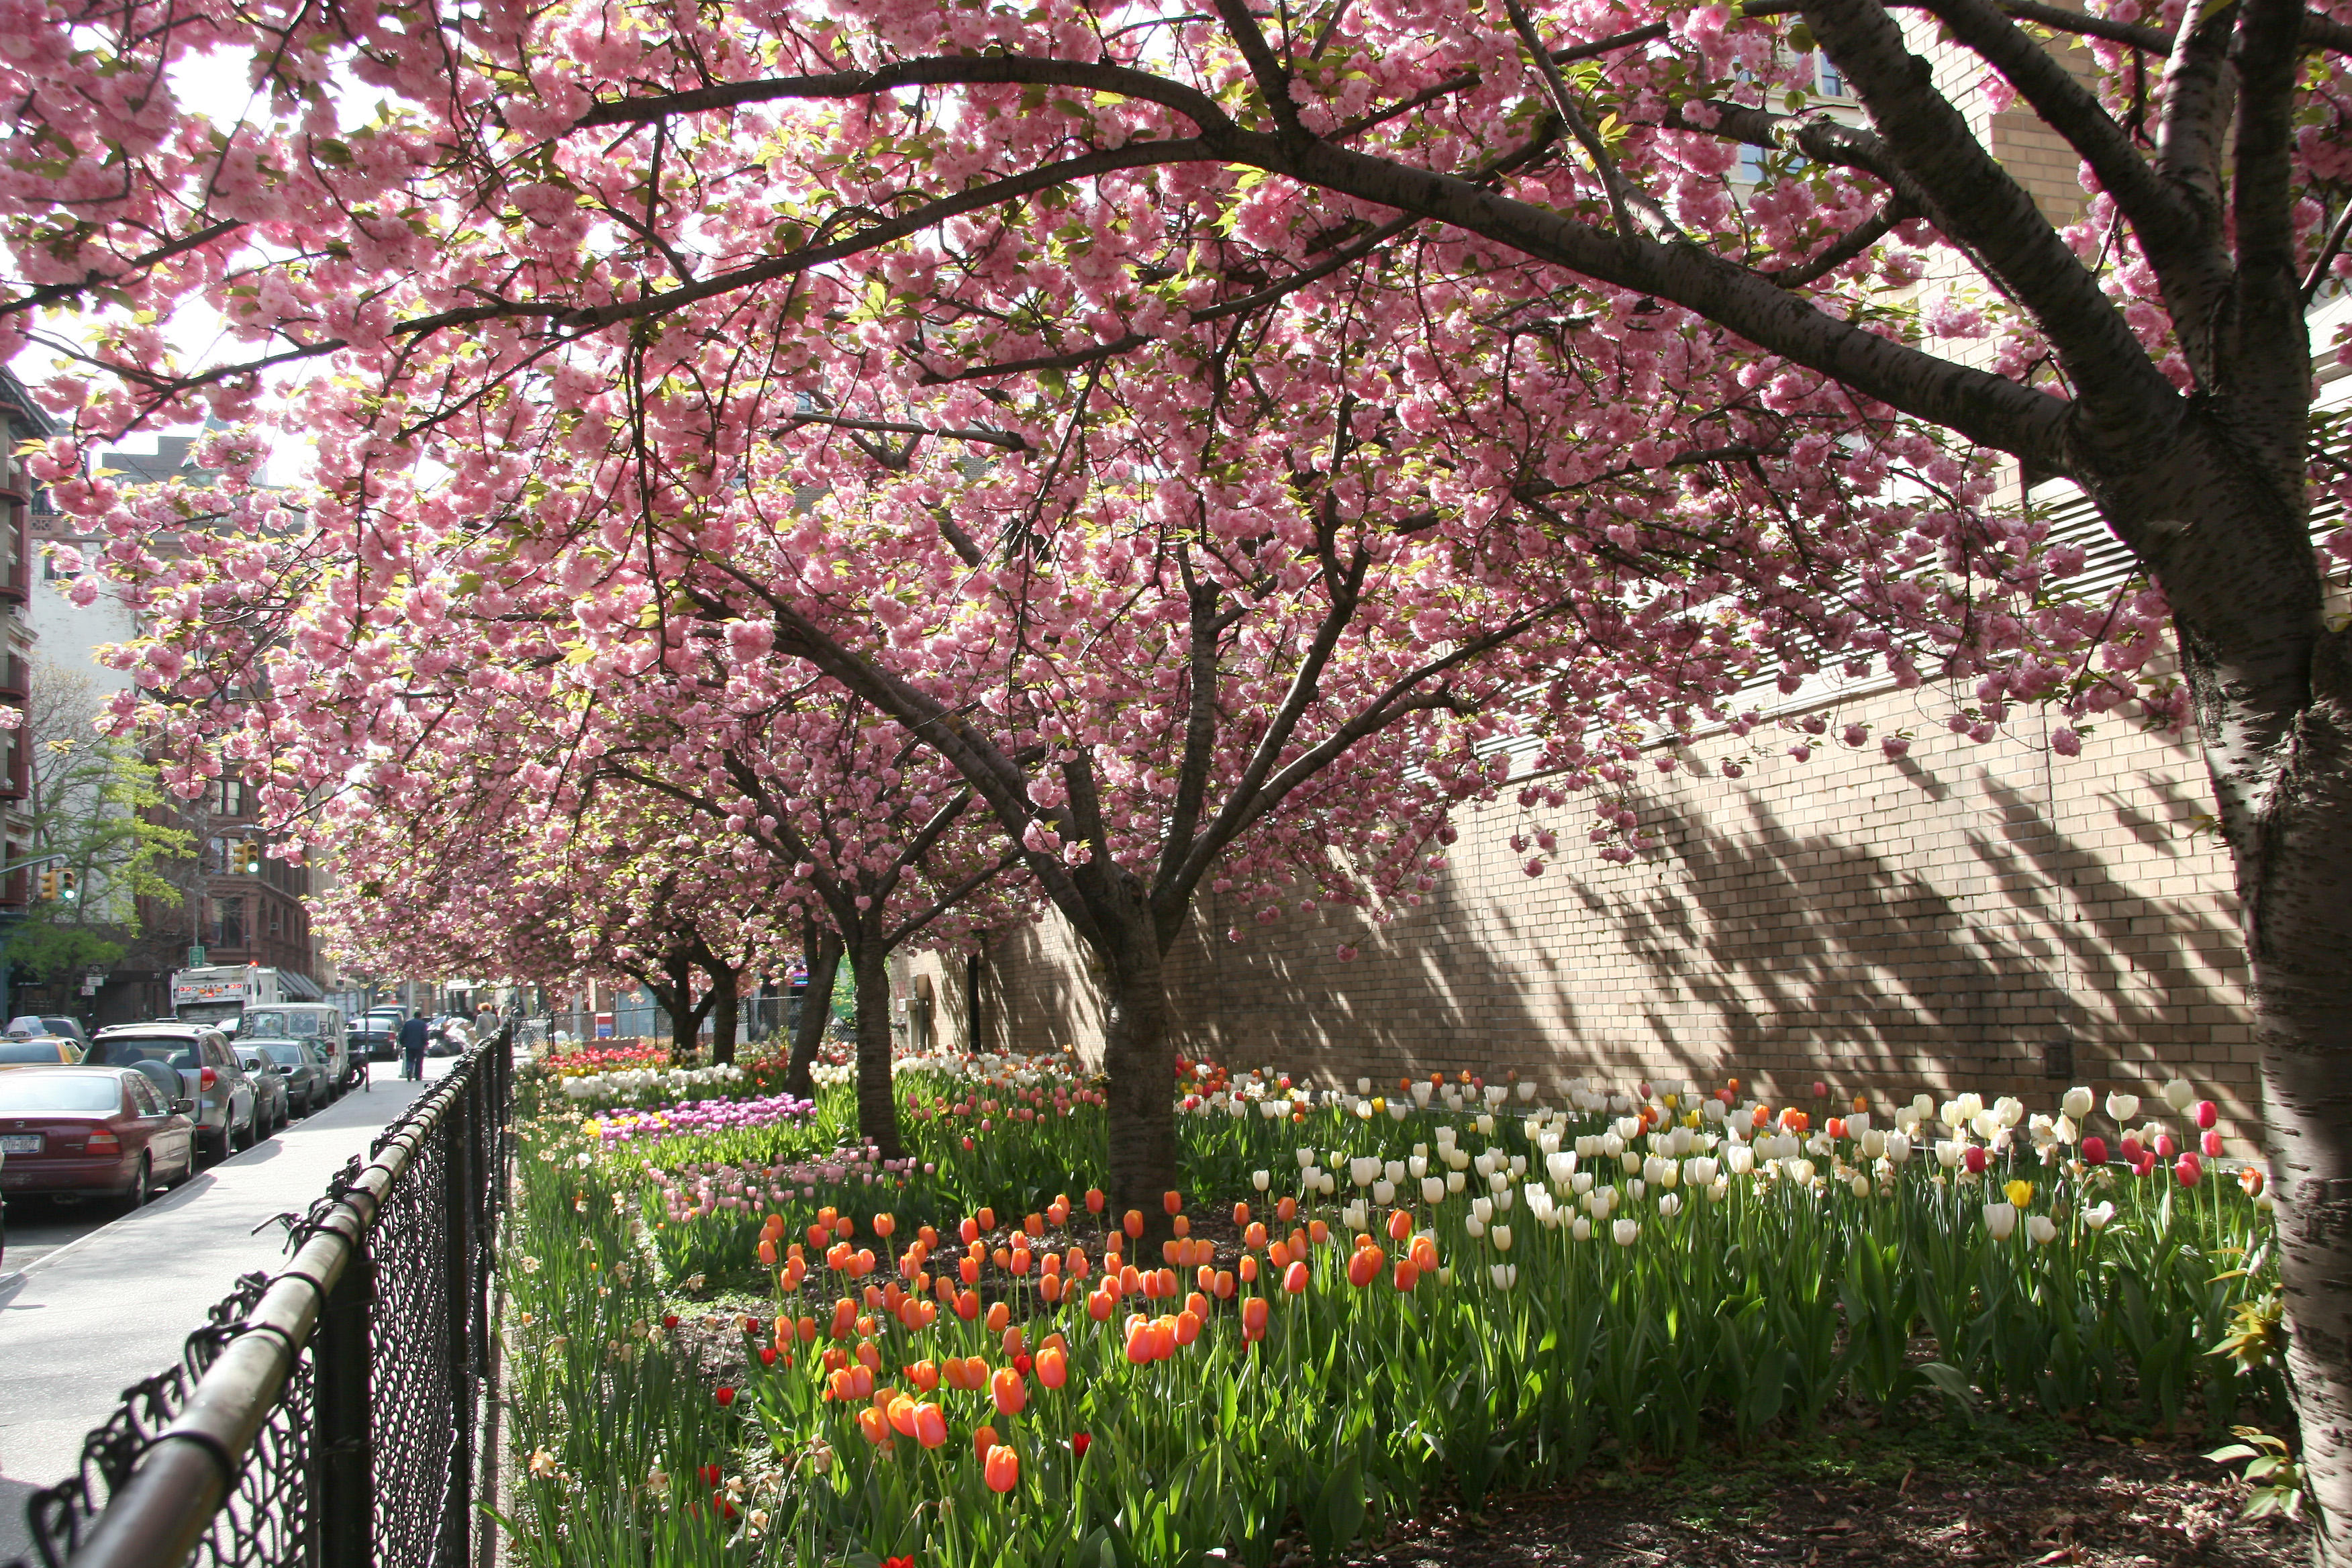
(1938, 1497)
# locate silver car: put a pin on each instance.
(226, 1110)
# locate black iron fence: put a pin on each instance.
(330, 1416)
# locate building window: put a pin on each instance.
(226, 798)
(1827, 79)
(228, 924)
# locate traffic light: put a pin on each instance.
(49, 886)
(68, 886)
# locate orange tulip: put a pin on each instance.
(1240, 1215)
(844, 1316)
(987, 1221)
(1094, 1200)
(1173, 1202)
(866, 1325)
(1032, 1224)
(1050, 1287)
(1249, 1270)
(1011, 1394)
(1278, 1254)
(1294, 1279)
(929, 1235)
(999, 1315)
(1053, 1366)
(1204, 1278)
(1221, 1284)
(1188, 1326)
(1001, 1257)
(924, 1374)
(1181, 1225)
(845, 1228)
(1254, 1312)
(969, 1230)
(1288, 1209)
(1012, 1343)
(1317, 1232)
(930, 1424)
(1168, 1250)
(1100, 1304)
(1407, 1274)
(1020, 1261)
(766, 1253)
(1131, 1283)
(968, 1269)
(1138, 1339)
(873, 1296)
(876, 1426)
(1002, 1469)
(1399, 1225)
(1363, 1265)
(885, 1226)
(1077, 1263)
(1133, 1223)
(901, 1413)
(1050, 1264)
(1424, 1253)
(982, 1441)
(967, 1305)
(870, 1356)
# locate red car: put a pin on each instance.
(109, 1132)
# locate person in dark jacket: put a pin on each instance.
(414, 1035)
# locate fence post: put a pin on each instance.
(457, 1265)
(342, 1493)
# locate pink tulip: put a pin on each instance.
(2207, 1113)
(2211, 1143)
(2188, 1169)
(2094, 1150)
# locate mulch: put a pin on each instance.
(1937, 1498)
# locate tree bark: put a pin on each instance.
(877, 1109)
(1140, 1069)
(824, 955)
(725, 1003)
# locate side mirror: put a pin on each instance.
(184, 1107)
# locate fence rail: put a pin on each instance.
(330, 1415)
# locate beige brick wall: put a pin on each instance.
(1971, 917)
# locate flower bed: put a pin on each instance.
(1370, 1301)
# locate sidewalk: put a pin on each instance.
(82, 1323)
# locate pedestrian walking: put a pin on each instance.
(486, 1021)
(416, 1034)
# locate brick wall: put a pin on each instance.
(1972, 917)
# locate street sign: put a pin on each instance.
(196, 956)
(90, 985)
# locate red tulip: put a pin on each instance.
(767, 1355)
(670, 1321)
(2207, 1113)
(2094, 1150)
(1975, 1159)
(2189, 1169)
(726, 1396)
(2130, 1149)
(710, 1475)
(1079, 1443)
(2164, 1147)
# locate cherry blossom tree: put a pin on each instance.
(686, 308)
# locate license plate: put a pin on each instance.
(20, 1143)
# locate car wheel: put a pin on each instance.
(208, 1149)
(132, 1201)
(250, 1136)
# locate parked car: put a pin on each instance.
(83, 1131)
(273, 1096)
(310, 1022)
(41, 1050)
(309, 1079)
(388, 1019)
(376, 1045)
(224, 1097)
(51, 1024)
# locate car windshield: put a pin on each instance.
(284, 1026)
(172, 1052)
(24, 1091)
(50, 1051)
(285, 1056)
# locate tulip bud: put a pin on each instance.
(2094, 1150)
(2207, 1113)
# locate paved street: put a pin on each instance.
(88, 1308)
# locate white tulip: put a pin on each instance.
(1504, 1275)
(1432, 1189)
(1355, 1216)
(1581, 1181)
(1624, 1232)
(1501, 1236)
(1636, 1187)
(1417, 1167)
(2042, 1229)
(1718, 1190)
(2122, 1107)
(2001, 1220)
(1420, 1095)
(1740, 1158)
(1328, 1184)
(1453, 1181)
(1630, 1161)
(1519, 1165)
(1582, 1230)
(1363, 1086)
(1700, 1170)
(1873, 1143)
(1261, 1180)
(1312, 1175)
(1445, 1274)
(1475, 1226)
(1485, 1126)
(2076, 1103)
(1394, 1170)
(1306, 1158)
(1384, 1193)
(1483, 1208)
(1899, 1150)
(1861, 1185)
(1363, 1170)
(1560, 1165)
(2098, 1215)
(1669, 1205)
(2178, 1095)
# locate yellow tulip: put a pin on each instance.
(2019, 1193)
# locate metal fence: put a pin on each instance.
(330, 1416)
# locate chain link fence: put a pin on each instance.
(331, 1415)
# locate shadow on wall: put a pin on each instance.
(1942, 934)
(1782, 956)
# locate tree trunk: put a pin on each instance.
(1140, 1065)
(877, 1109)
(725, 1004)
(816, 1010)
(2297, 893)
